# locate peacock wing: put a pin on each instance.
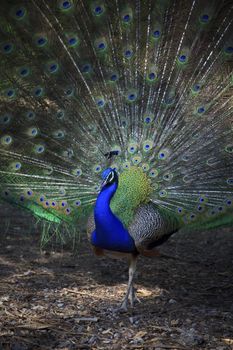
(151, 226)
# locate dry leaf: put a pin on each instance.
(140, 334)
(144, 292)
(106, 331)
(174, 322)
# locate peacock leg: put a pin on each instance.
(133, 297)
(130, 289)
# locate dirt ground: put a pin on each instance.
(59, 299)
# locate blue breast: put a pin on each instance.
(110, 233)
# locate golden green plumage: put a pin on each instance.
(134, 189)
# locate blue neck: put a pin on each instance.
(110, 233)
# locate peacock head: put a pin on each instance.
(109, 177)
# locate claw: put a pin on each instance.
(122, 308)
(135, 301)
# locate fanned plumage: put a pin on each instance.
(88, 85)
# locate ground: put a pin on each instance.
(64, 299)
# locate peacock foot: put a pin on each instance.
(122, 308)
(133, 297)
(128, 299)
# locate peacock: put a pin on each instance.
(117, 118)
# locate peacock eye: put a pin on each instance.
(110, 177)
(98, 10)
(66, 5)
(113, 77)
(128, 53)
(20, 13)
(53, 68)
(156, 34)
(10, 93)
(204, 18)
(73, 41)
(7, 48)
(229, 50)
(201, 110)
